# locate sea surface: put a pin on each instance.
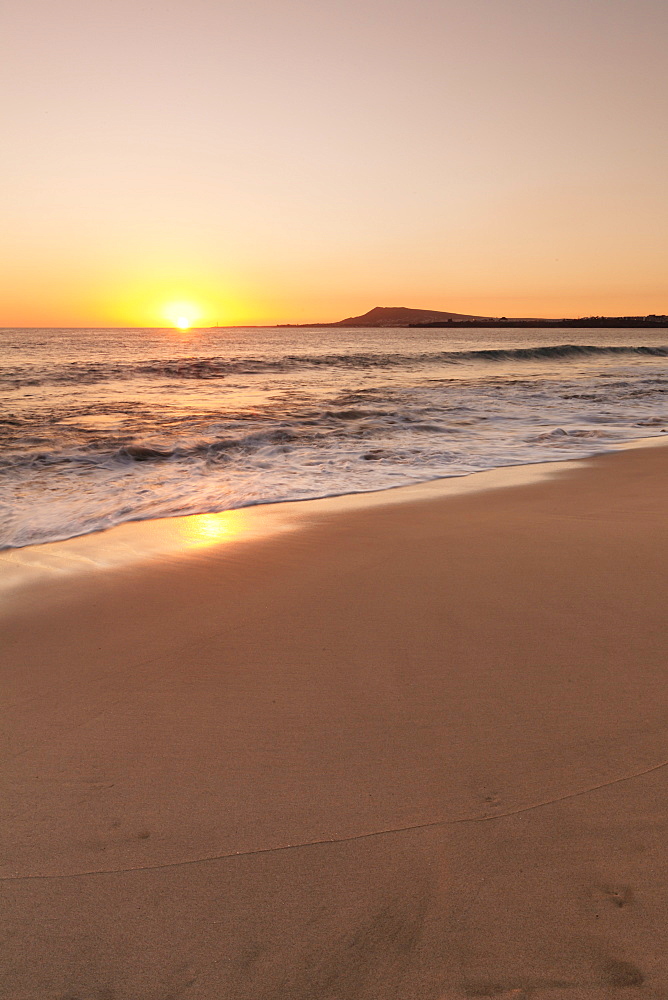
(103, 426)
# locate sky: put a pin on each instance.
(270, 161)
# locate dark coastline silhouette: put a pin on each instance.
(400, 316)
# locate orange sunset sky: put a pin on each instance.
(260, 161)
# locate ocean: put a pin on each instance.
(103, 426)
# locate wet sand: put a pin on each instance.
(405, 750)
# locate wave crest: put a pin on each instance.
(217, 367)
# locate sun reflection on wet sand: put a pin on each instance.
(126, 545)
(202, 530)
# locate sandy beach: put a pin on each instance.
(411, 750)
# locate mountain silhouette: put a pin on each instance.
(400, 316)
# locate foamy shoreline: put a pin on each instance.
(140, 541)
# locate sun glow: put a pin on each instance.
(182, 315)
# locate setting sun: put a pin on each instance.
(182, 315)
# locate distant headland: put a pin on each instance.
(399, 316)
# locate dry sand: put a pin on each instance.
(405, 752)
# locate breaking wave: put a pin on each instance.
(219, 368)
